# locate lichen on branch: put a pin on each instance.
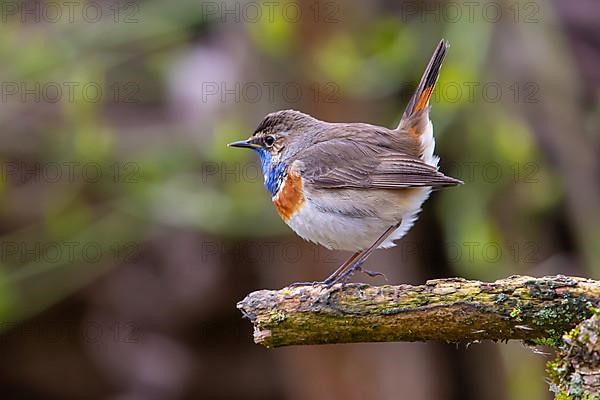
(575, 374)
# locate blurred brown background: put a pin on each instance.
(129, 231)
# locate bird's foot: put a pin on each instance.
(343, 278)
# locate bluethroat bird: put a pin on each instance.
(352, 186)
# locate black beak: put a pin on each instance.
(243, 143)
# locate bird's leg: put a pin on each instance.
(356, 265)
(338, 271)
(341, 268)
(332, 277)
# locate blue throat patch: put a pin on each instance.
(273, 174)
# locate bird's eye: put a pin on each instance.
(269, 141)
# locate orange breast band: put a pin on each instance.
(290, 198)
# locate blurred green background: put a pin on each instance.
(128, 230)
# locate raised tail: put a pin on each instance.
(420, 99)
(415, 121)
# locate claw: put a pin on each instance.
(372, 274)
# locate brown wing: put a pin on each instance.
(350, 164)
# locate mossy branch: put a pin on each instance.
(537, 310)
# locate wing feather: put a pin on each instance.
(348, 164)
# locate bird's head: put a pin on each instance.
(280, 135)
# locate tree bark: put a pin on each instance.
(537, 310)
